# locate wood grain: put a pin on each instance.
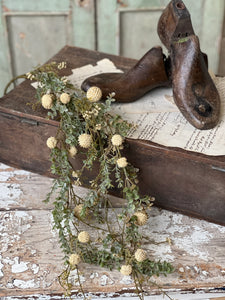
(180, 180)
(31, 260)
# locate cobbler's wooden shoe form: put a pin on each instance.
(147, 74)
(174, 23)
(194, 91)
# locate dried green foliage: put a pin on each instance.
(88, 130)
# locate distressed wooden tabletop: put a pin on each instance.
(31, 260)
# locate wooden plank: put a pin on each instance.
(107, 26)
(5, 64)
(31, 258)
(38, 29)
(221, 71)
(134, 27)
(213, 17)
(83, 18)
(43, 5)
(27, 52)
(177, 296)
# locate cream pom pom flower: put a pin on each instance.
(51, 142)
(64, 98)
(83, 237)
(72, 151)
(126, 270)
(85, 140)
(117, 140)
(47, 101)
(77, 210)
(94, 94)
(142, 217)
(140, 255)
(74, 259)
(122, 162)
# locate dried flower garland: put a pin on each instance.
(87, 128)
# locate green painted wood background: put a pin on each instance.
(32, 31)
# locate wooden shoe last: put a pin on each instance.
(147, 74)
(194, 91)
(174, 23)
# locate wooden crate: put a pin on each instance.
(180, 180)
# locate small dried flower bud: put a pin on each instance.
(47, 101)
(62, 65)
(94, 94)
(142, 217)
(75, 174)
(168, 239)
(65, 98)
(74, 259)
(30, 76)
(140, 255)
(85, 140)
(97, 107)
(64, 79)
(122, 162)
(117, 140)
(51, 142)
(83, 237)
(77, 210)
(98, 126)
(126, 270)
(72, 151)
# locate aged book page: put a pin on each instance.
(158, 118)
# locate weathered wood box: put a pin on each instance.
(183, 181)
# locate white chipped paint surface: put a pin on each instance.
(30, 258)
(73, 278)
(198, 296)
(10, 191)
(105, 280)
(19, 266)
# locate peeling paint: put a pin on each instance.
(19, 267)
(93, 275)
(10, 223)
(10, 193)
(1, 267)
(105, 280)
(10, 190)
(35, 268)
(127, 280)
(73, 278)
(173, 225)
(31, 255)
(26, 284)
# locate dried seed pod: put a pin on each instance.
(83, 237)
(94, 94)
(140, 255)
(126, 270)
